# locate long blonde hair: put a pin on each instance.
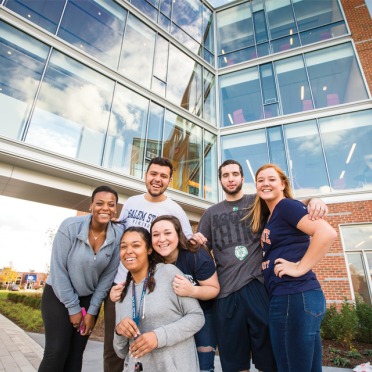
(259, 210)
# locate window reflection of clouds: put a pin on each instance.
(306, 162)
(73, 102)
(182, 79)
(187, 14)
(45, 132)
(22, 60)
(126, 135)
(44, 13)
(139, 40)
(94, 27)
(347, 143)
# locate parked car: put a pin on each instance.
(14, 287)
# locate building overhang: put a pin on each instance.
(29, 173)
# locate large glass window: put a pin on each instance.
(280, 18)
(328, 77)
(185, 87)
(44, 13)
(188, 16)
(72, 110)
(95, 27)
(127, 132)
(305, 158)
(234, 32)
(293, 84)
(189, 21)
(315, 14)
(278, 25)
(22, 60)
(335, 77)
(250, 150)
(183, 145)
(146, 8)
(241, 99)
(347, 143)
(138, 52)
(357, 242)
(320, 156)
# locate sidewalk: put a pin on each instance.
(20, 351)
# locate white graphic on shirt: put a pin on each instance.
(241, 252)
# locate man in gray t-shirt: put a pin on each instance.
(241, 309)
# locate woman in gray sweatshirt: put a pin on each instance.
(85, 257)
(154, 327)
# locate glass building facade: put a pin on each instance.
(115, 83)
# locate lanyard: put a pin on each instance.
(135, 313)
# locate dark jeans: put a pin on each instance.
(64, 346)
(111, 362)
(295, 330)
(242, 322)
(206, 338)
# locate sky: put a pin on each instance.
(24, 227)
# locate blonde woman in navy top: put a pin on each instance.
(297, 303)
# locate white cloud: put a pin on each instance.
(24, 229)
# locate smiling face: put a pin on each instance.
(165, 240)
(270, 186)
(157, 180)
(103, 207)
(134, 254)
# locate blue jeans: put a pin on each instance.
(206, 338)
(295, 330)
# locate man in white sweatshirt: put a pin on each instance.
(141, 210)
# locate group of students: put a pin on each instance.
(243, 282)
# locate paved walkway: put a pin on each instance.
(20, 351)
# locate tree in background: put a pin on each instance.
(8, 276)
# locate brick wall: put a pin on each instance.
(331, 270)
(360, 24)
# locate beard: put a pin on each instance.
(233, 192)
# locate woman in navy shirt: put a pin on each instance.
(199, 280)
(297, 303)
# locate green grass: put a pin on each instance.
(24, 316)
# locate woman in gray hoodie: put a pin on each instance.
(84, 260)
(155, 327)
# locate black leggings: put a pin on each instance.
(64, 347)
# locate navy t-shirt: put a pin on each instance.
(197, 266)
(282, 239)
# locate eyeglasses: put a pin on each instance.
(138, 367)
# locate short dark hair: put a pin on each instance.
(228, 162)
(105, 189)
(164, 162)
